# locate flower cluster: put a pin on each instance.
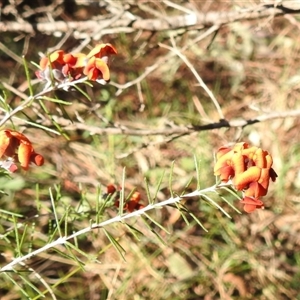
(249, 169)
(65, 67)
(130, 205)
(16, 147)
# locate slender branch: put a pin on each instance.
(118, 218)
(176, 130)
(123, 130)
(27, 102)
(129, 24)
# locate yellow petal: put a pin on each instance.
(57, 56)
(238, 163)
(264, 178)
(242, 180)
(24, 154)
(249, 152)
(103, 68)
(259, 158)
(269, 161)
(4, 142)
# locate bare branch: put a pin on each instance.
(179, 130)
(127, 23)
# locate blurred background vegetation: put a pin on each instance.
(252, 68)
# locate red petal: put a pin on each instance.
(20, 136)
(93, 74)
(226, 173)
(110, 189)
(255, 190)
(69, 59)
(13, 168)
(132, 205)
(102, 50)
(37, 159)
(251, 204)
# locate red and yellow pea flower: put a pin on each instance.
(55, 59)
(102, 51)
(96, 69)
(249, 169)
(73, 65)
(16, 147)
(66, 67)
(132, 204)
(54, 63)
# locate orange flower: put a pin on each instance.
(16, 146)
(249, 168)
(96, 67)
